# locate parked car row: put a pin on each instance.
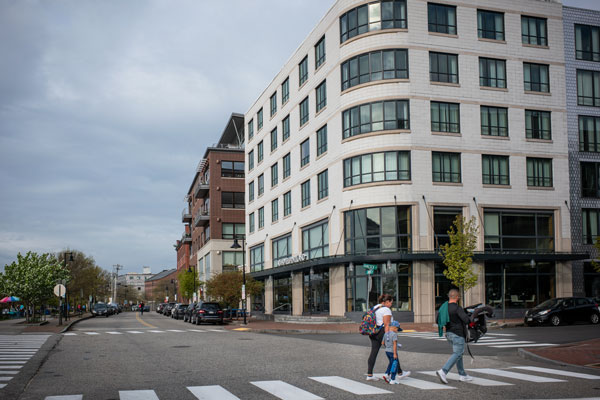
(564, 310)
(195, 313)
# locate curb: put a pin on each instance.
(534, 357)
(74, 322)
(296, 331)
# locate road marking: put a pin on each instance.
(9, 372)
(153, 331)
(476, 381)
(5, 378)
(196, 330)
(559, 372)
(134, 331)
(12, 362)
(285, 391)
(216, 330)
(348, 385)
(138, 395)
(492, 339)
(69, 334)
(503, 334)
(2, 385)
(71, 397)
(420, 384)
(174, 330)
(114, 333)
(91, 333)
(506, 346)
(501, 343)
(515, 375)
(11, 366)
(139, 319)
(213, 392)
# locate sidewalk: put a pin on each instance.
(584, 354)
(18, 326)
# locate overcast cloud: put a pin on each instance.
(106, 107)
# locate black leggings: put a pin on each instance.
(375, 346)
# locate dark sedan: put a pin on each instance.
(100, 309)
(178, 310)
(207, 312)
(564, 310)
(168, 308)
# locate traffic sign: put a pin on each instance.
(60, 290)
(370, 268)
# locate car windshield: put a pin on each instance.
(210, 306)
(547, 304)
(99, 306)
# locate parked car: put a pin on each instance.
(112, 309)
(564, 310)
(160, 308)
(100, 309)
(168, 308)
(178, 310)
(187, 314)
(207, 312)
(146, 308)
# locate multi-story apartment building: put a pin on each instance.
(160, 287)
(389, 120)
(182, 246)
(216, 204)
(135, 282)
(582, 70)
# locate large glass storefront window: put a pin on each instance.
(514, 230)
(282, 295)
(377, 230)
(315, 240)
(443, 219)
(524, 284)
(442, 285)
(591, 281)
(258, 301)
(362, 290)
(316, 292)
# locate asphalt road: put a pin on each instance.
(154, 357)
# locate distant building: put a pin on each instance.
(161, 286)
(135, 281)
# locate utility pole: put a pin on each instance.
(116, 268)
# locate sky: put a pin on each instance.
(106, 108)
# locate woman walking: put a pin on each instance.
(383, 317)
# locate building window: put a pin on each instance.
(305, 152)
(287, 166)
(536, 77)
(443, 220)
(492, 72)
(534, 31)
(591, 281)
(251, 160)
(285, 91)
(539, 172)
(445, 117)
(589, 133)
(321, 95)
(250, 129)
(281, 248)
(251, 222)
(257, 258)
(323, 185)
(375, 66)
(322, 140)
(274, 175)
(259, 119)
(320, 52)
(304, 111)
(446, 167)
(494, 121)
(377, 167)
(260, 151)
(511, 230)
(274, 139)
(441, 18)
(377, 230)
(275, 210)
(588, 88)
(231, 260)
(232, 169)
(372, 117)
(282, 295)
(273, 104)
(233, 231)
(587, 42)
(261, 184)
(490, 25)
(443, 67)
(232, 200)
(305, 189)
(251, 191)
(495, 170)
(303, 71)
(538, 125)
(315, 240)
(590, 179)
(591, 217)
(285, 128)
(362, 289)
(261, 218)
(287, 203)
(373, 17)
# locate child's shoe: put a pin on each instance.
(394, 382)
(386, 378)
(403, 375)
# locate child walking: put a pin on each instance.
(390, 341)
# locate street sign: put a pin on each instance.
(370, 268)
(60, 290)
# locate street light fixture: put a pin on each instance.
(60, 304)
(190, 270)
(236, 245)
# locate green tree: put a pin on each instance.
(32, 278)
(86, 277)
(458, 254)
(595, 263)
(188, 280)
(227, 287)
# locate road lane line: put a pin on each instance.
(476, 381)
(139, 319)
(134, 331)
(349, 385)
(138, 395)
(174, 330)
(5, 378)
(114, 333)
(560, 372)
(501, 343)
(212, 392)
(515, 375)
(196, 330)
(285, 391)
(507, 346)
(420, 384)
(68, 397)
(91, 333)
(154, 331)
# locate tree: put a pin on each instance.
(595, 264)
(188, 281)
(227, 287)
(86, 277)
(32, 278)
(458, 254)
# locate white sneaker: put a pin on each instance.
(372, 378)
(465, 378)
(394, 382)
(404, 375)
(442, 375)
(386, 378)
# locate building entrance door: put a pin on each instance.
(316, 293)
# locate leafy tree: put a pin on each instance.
(188, 280)
(32, 278)
(595, 264)
(227, 287)
(86, 277)
(458, 254)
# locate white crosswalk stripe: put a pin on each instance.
(559, 372)
(515, 375)
(349, 385)
(138, 395)
(213, 392)
(285, 391)
(114, 333)
(15, 351)
(507, 346)
(68, 397)
(134, 332)
(476, 380)
(504, 341)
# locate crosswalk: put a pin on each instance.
(136, 332)
(283, 390)
(15, 351)
(495, 340)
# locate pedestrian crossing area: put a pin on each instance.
(15, 351)
(495, 340)
(312, 386)
(138, 332)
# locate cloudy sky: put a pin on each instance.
(106, 107)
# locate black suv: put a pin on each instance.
(564, 310)
(178, 310)
(207, 312)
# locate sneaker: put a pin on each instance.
(372, 378)
(442, 375)
(394, 382)
(403, 375)
(386, 378)
(465, 378)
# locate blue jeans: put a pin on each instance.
(393, 366)
(458, 348)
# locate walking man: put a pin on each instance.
(142, 308)
(454, 318)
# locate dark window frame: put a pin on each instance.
(485, 30)
(371, 67)
(440, 65)
(536, 39)
(357, 121)
(495, 175)
(446, 159)
(438, 20)
(499, 129)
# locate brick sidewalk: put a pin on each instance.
(586, 353)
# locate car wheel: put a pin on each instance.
(594, 318)
(555, 320)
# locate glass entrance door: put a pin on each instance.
(316, 293)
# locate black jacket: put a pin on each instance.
(458, 320)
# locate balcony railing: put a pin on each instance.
(186, 238)
(203, 217)
(186, 216)
(201, 189)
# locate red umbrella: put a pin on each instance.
(9, 299)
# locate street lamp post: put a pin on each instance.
(236, 245)
(60, 304)
(190, 270)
